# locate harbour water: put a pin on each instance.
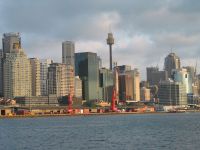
(180, 131)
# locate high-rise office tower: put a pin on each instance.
(192, 72)
(17, 74)
(44, 64)
(68, 50)
(106, 83)
(11, 42)
(129, 85)
(57, 79)
(184, 77)
(35, 67)
(87, 68)
(110, 42)
(172, 61)
(154, 76)
(172, 93)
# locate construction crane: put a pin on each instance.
(113, 107)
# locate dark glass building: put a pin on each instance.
(87, 68)
(106, 84)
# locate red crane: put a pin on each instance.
(113, 107)
(69, 103)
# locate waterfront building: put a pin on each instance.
(145, 94)
(129, 85)
(78, 87)
(172, 61)
(106, 83)
(192, 73)
(172, 93)
(57, 79)
(87, 68)
(125, 87)
(154, 76)
(182, 76)
(17, 74)
(35, 67)
(44, 64)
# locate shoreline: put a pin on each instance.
(75, 115)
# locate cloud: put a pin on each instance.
(144, 31)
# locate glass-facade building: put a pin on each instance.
(87, 68)
(106, 84)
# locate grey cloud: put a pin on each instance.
(144, 31)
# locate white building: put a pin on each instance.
(78, 87)
(17, 74)
(44, 64)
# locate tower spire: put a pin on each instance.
(110, 42)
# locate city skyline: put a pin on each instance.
(140, 30)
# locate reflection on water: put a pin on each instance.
(123, 132)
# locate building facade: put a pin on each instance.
(172, 93)
(44, 64)
(36, 81)
(68, 50)
(172, 61)
(183, 76)
(57, 80)
(145, 94)
(154, 76)
(11, 42)
(129, 85)
(17, 74)
(78, 87)
(106, 84)
(87, 68)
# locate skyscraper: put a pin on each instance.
(172, 61)
(87, 68)
(184, 77)
(17, 74)
(57, 79)
(68, 50)
(106, 83)
(44, 64)
(11, 42)
(129, 85)
(172, 93)
(154, 76)
(35, 67)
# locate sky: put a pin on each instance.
(145, 31)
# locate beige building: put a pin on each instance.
(70, 79)
(35, 67)
(145, 94)
(57, 79)
(134, 76)
(129, 85)
(78, 87)
(17, 74)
